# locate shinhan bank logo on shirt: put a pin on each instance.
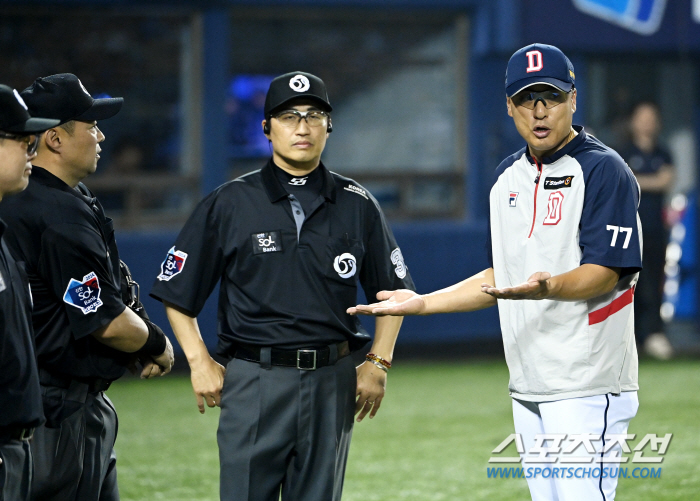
(512, 198)
(641, 16)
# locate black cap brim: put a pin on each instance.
(309, 97)
(101, 109)
(516, 87)
(33, 125)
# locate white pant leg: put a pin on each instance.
(528, 424)
(596, 415)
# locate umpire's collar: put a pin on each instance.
(45, 177)
(275, 190)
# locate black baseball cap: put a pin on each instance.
(294, 85)
(64, 97)
(539, 64)
(14, 116)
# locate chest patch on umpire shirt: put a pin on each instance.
(266, 241)
(84, 294)
(173, 264)
(557, 183)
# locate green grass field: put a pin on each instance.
(430, 441)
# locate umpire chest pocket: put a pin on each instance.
(344, 260)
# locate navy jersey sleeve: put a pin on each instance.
(610, 234)
(74, 261)
(383, 267)
(194, 265)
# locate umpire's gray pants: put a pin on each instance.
(15, 470)
(73, 452)
(285, 429)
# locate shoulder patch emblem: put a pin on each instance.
(173, 264)
(356, 189)
(84, 294)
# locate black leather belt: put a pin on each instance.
(305, 359)
(8, 433)
(60, 381)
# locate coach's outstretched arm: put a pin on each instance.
(464, 296)
(207, 374)
(475, 293)
(584, 282)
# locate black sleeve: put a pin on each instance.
(194, 265)
(383, 267)
(75, 264)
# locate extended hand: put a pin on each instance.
(371, 384)
(207, 382)
(399, 303)
(536, 287)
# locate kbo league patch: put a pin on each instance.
(173, 264)
(84, 295)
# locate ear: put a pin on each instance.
(263, 124)
(509, 105)
(573, 101)
(53, 139)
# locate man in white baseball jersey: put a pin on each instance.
(565, 246)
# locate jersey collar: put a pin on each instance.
(568, 148)
(275, 190)
(43, 176)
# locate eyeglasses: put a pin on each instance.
(550, 99)
(32, 140)
(292, 118)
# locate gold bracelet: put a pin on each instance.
(378, 365)
(377, 358)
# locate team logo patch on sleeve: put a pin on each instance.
(84, 294)
(173, 264)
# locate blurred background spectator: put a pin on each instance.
(653, 167)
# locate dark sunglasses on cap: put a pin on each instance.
(550, 98)
(32, 140)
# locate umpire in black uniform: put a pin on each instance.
(20, 395)
(288, 243)
(87, 331)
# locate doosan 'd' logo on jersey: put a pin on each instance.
(84, 294)
(173, 264)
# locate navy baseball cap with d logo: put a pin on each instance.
(64, 97)
(293, 85)
(539, 64)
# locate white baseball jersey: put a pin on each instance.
(579, 206)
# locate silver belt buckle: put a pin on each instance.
(299, 353)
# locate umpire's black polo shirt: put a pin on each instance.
(20, 394)
(72, 262)
(283, 284)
